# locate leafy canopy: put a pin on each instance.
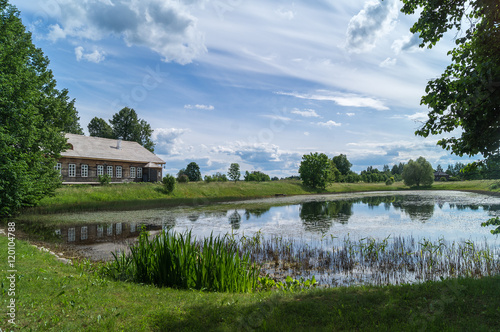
(234, 172)
(33, 117)
(317, 171)
(417, 173)
(467, 95)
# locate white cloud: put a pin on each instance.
(308, 113)
(95, 56)
(389, 62)
(375, 20)
(408, 43)
(167, 140)
(342, 99)
(166, 27)
(200, 107)
(287, 14)
(350, 114)
(329, 124)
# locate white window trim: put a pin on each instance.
(132, 172)
(119, 172)
(110, 171)
(72, 170)
(85, 171)
(100, 170)
(58, 167)
(139, 172)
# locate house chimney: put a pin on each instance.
(119, 144)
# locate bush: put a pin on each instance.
(168, 183)
(389, 181)
(183, 178)
(104, 179)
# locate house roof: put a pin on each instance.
(88, 147)
(439, 173)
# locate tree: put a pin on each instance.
(342, 164)
(234, 172)
(316, 170)
(417, 173)
(467, 95)
(257, 176)
(33, 117)
(127, 126)
(193, 172)
(100, 128)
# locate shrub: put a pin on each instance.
(183, 178)
(389, 181)
(104, 179)
(168, 183)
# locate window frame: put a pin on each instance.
(139, 172)
(100, 170)
(119, 172)
(72, 170)
(84, 171)
(132, 171)
(109, 171)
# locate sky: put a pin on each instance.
(258, 83)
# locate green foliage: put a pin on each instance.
(467, 95)
(417, 173)
(493, 222)
(104, 179)
(217, 177)
(98, 127)
(316, 170)
(256, 176)
(129, 127)
(389, 181)
(33, 116)
(266, 283)
(193, 172)
(179, 261)
(168, 183)
(234, 172)
(342, 164)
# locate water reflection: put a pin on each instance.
(235, 220)
(319, 216)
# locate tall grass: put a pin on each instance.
(178, 260)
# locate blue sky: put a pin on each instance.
(259, 83)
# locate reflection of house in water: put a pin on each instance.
(87, 234)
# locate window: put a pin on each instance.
(110, 171)
(118, 228)
(110, 230)
(85, 171)
(72, 170)
(139, 172)
(132, 172)
(71, 235)
(100, 231)
(58, 167)
(84, 233)
(118, 171)
(100, 170)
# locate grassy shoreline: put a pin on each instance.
(53, 296)
(133, 196)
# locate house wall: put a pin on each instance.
(92, 170)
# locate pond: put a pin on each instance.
(380, 237)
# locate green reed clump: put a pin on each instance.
(178, 260)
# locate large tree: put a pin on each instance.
(193, 172)
(467, 95)
(100, 128)
(234, 172)
(342, 164)
(33, 117)
(317, 170)
(129, 127)
(417, 173)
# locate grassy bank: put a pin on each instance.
(51, 296)
(146, 195)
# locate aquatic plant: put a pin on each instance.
(178, 260)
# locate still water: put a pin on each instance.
(430, 214)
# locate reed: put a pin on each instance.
(178, 260)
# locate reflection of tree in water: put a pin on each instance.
(416, 208)
(235, 220)
(319, 216)
(257, 212)
(193, 217)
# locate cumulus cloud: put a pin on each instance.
(166, 27)
(200, 107)
(329, 124)
(168, 140)
(375, 20)
(409, 43)
(95, 56)
(308, 113)
(342, 99)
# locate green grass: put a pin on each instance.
(134, 196)
(51, 296)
